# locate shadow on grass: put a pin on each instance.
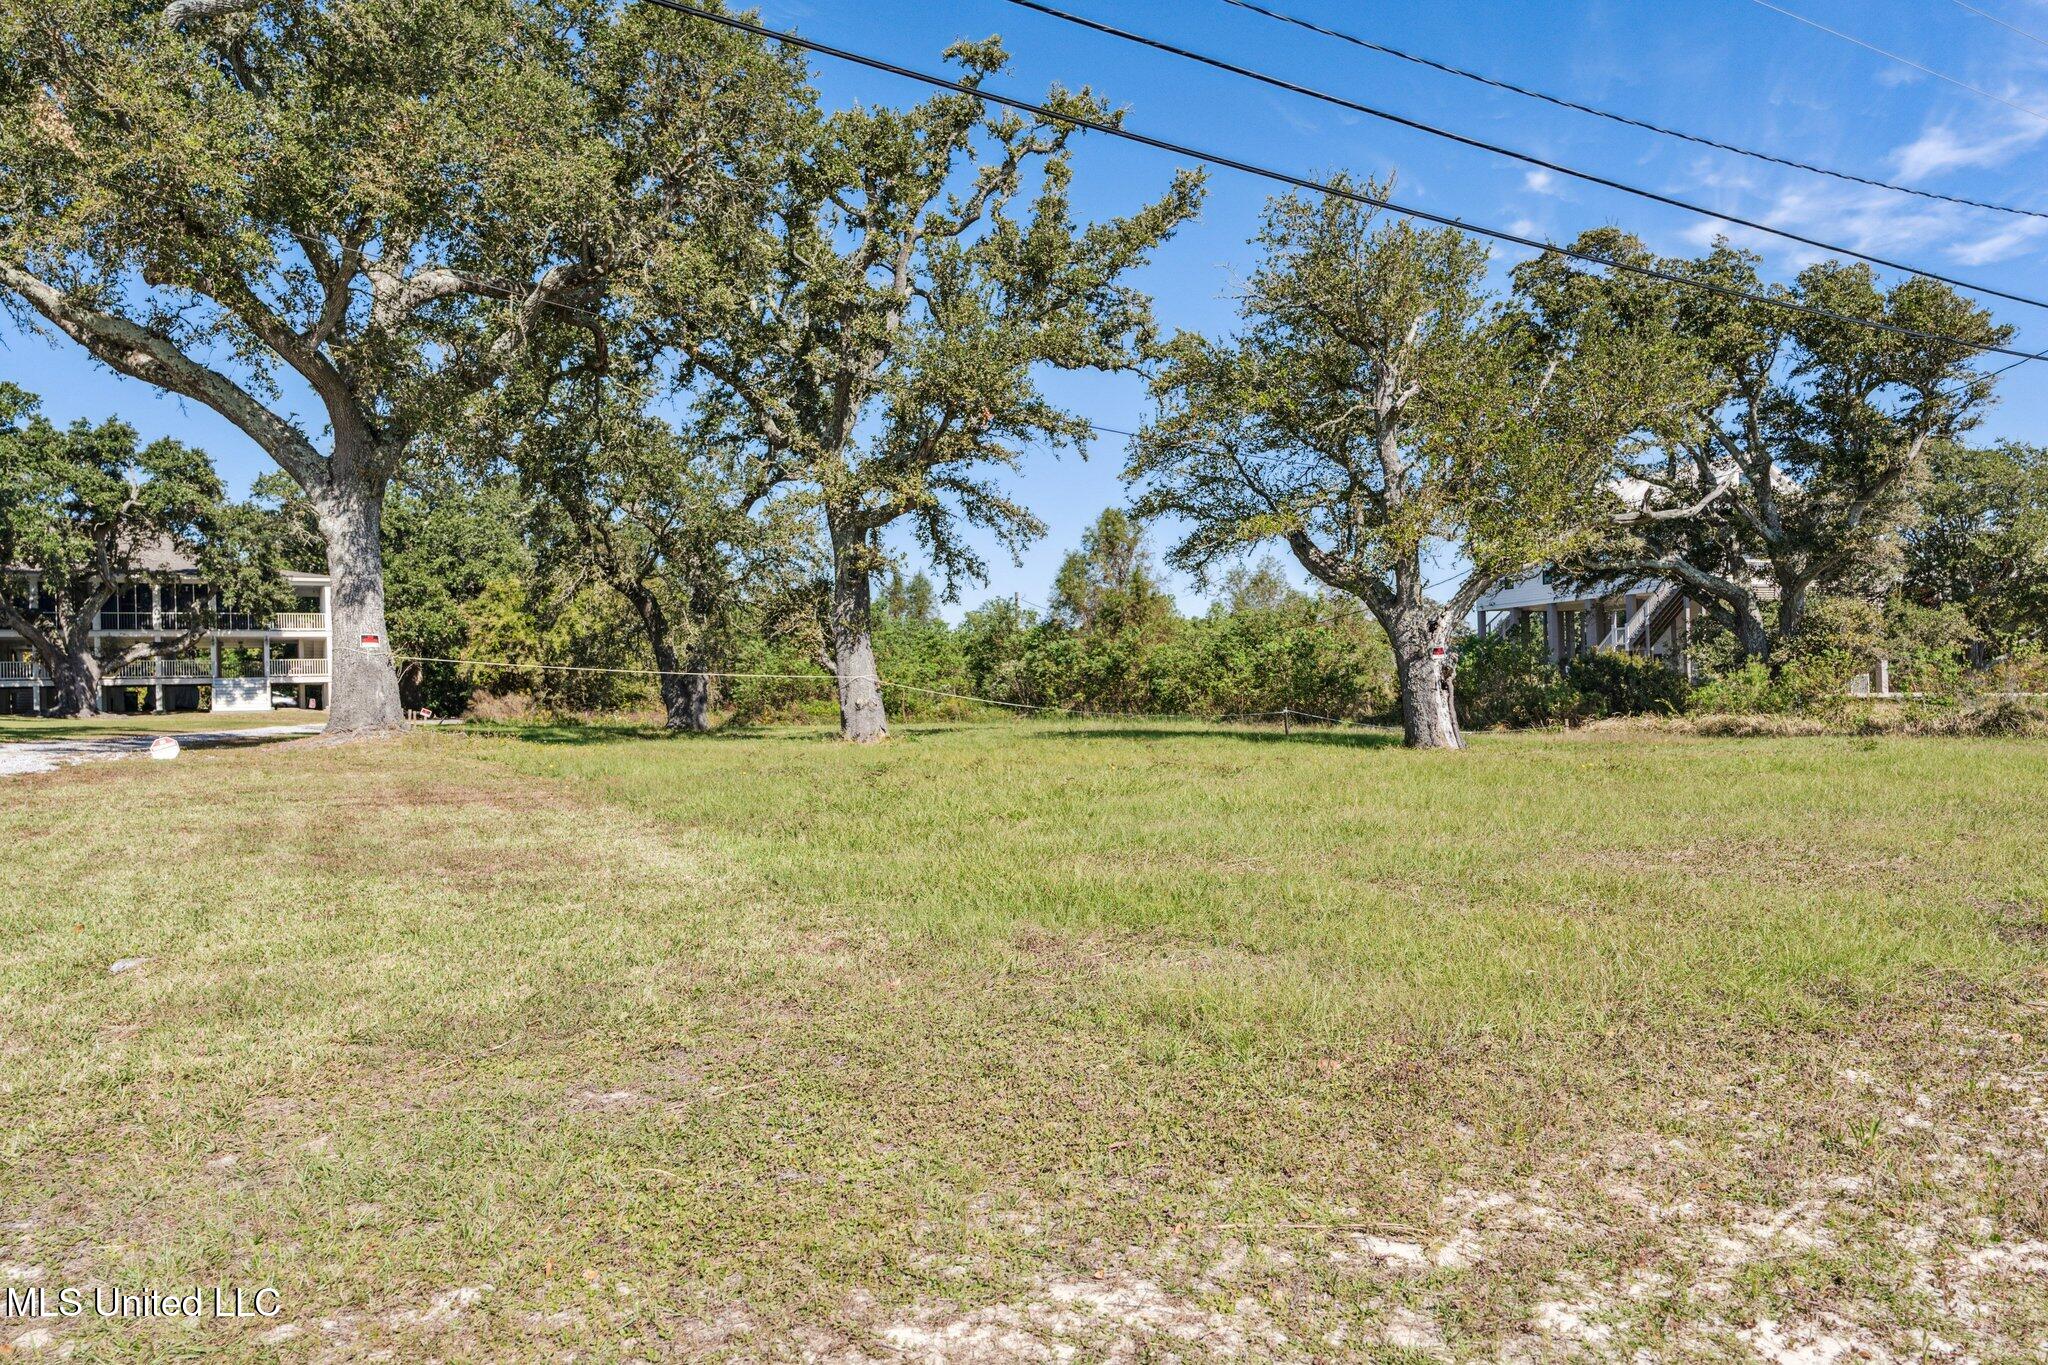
(599, 733)
(1343, 739)
(570, 733)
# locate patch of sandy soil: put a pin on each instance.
(1111, 1318)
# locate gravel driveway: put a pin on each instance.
(42, 756)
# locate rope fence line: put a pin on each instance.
(1287, 714)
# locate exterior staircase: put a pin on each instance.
(1651, 618)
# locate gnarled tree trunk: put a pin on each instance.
(687, 699)
(861, 716)
(365, 691)
(75, 677)
(1426, 673)
(685, 682)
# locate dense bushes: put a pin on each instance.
(1508, 680)
(1309, 655)
(1630, 684)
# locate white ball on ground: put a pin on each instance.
(163, 747)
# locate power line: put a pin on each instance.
(1333, 190)
(1903, 61)
(1670, 201)
(1644, 124)
(2030, 37)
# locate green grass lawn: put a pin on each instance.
(17, 729)
(1143, 1041)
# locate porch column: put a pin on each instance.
(1553, 633)
(1883, 676)
(266, 668)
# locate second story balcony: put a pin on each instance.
(299, 668)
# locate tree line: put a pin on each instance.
(722, 347)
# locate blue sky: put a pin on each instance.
(1730, 69)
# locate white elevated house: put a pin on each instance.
(1646, 617)
(244, 664)
(1651, 617)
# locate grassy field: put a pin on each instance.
(1007, 1041)
(17, 729)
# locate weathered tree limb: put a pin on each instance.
(139, 353)
(178, 11)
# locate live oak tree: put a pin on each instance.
(86, 512)
(913, 284)
(1981, 540)
(359, 209)
(679, 523)
(1378, 410)
(1802, 453)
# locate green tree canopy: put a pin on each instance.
(375, 201)
(1794, 464)
(1109, 583)
(678, 522)
(88, 511)
(915, 285)
(1981, 541)
(1378, 410)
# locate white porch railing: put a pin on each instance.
(301, 620)
(190, 670)
(21, 670)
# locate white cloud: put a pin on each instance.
(1306, 126)
(1541, 182)
(2002, 244)
(1942, 148)
(1880, 223)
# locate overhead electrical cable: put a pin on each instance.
(1956, 81)
(1325, 187)
(1985, 14)
(1542, 163)
(1851, 177)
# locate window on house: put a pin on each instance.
(183, 603)
(128, 609)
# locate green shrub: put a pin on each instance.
(1508, 680)
(1619, 684)
(1744, 690)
